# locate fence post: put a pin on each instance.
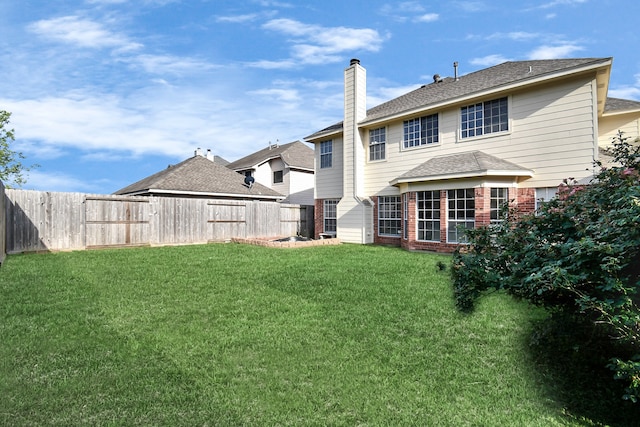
(3, 225)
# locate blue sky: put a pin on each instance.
(106, 92)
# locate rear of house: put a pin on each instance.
(418, 169)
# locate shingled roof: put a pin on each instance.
(617, 105)
(449, 89)
(296, 155)
(462, 165)
(200, 177)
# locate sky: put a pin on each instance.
(106, 92)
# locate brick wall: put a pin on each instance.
(318, 218)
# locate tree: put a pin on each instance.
(576, 257)
(11, 167)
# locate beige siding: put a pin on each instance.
(328, 181)
(610, 125)
(552, 132)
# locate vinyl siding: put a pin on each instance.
(610, 125)
(328, 181)
(551, 132)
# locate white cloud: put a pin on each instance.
(554, 52)
(427, 17)
(314, 44)
(627, 92)
(237, 19)
(81, 32)
(561, 3)
(161, 64)
(471, 6)
(38, 179)
(489, 60)
(281, 95)
(515, 36)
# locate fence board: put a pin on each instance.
(63, 221)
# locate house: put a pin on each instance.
(200, 176)
(418, 169)
(287, 169)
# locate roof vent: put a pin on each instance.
(437, 78)
(354, 61)
(455, 70)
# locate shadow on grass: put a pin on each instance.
(571, 360)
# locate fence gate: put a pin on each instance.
(112, 221)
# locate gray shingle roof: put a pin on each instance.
(470, 163)
(449, 89)
(616, 105)
(296, 155)
(201, 176)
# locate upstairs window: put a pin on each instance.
(421, 131)
(377, 143)
(484, 118)
(326, 154)
(277, 177)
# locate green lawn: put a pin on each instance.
(229, 334)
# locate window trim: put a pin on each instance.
(325, 204)
(395, 214)
(433, 221)
(458, 221)
(326, 154)
(404, 146)
(379, 144)
(490, 134)
(500, 201)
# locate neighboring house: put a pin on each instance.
(413, 170)
(287, 169)
(202, 177)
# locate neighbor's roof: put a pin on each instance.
(489, 79)
(296, 155)
(617, 105)
(462, 165)
(198, 176)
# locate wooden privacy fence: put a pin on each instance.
(43, 221)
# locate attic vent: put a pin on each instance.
(437, 78)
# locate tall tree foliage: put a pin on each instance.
(11, 167)
(578, 255)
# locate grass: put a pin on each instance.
(230, 335)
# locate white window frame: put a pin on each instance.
(326, 154)
(459, 208)
(428, 216)
(330, 216)
(377, 144)
(405, 216)
(544, 195)
(389, 212)
(416, 132)
(498, 197)
(484, 125)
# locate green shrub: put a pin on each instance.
(578, 255)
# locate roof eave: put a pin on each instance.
(207, 194)
(313, 138)
(525, 173)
